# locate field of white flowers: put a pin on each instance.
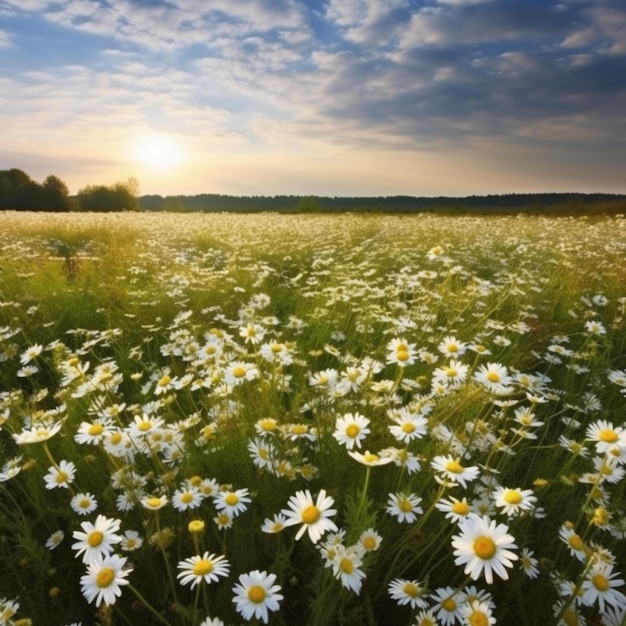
(227, 419)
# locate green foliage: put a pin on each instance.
(19, 192)
(121, 196)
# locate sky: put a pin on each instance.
(317, 97)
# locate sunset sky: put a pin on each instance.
(317, 97)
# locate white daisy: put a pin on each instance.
(256, 594)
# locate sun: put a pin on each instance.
(157, 151)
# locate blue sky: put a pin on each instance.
(325, 97)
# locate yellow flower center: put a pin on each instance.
(452, 347)
(239, 372)
(608, 435)
(576, 542)
(451, 372)
(484, 548)
(600, 582)
(256, 594)
(408, 428)
(449, 604)
(346, 565)
(95, 538)
(165, 381)
(454, 466)
(145, 425)
(95, 430)
(405, 506)
(276, 348)
(187, 497)
(352, 431)
(105, 577)
(115, 438)
(154, 502)
(493, 377)
(195, 526)
(299, 429)
(61, 477)
(571, 618)
(369, 543)
(478, 618)
(402, 355)
(512, 496)
(203, 567)
(84, 503)
(231, 499)
(368, 457)
(411, 590)
(460, 508)
(268, 424)
(311, 514)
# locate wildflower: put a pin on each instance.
(61, 476)
(232, 502)
(529, 564)
(484, 548)
(400, 352)
(451, 375)
(455, 509)
(600, 586)
(37, 434)
(274, 525)
(425, 617)
(573, 541)
(8, 608)
(595, 328)
(351, 429)
(153, 503)
(408, 592)
(262, 452)
(314, 517)
(252, 333)
(96, 539)
(514, 501)
(370, 540)
(407, 425)
(447, 605)
(131, 541)
(476, 612)
(207, 567)
(187, 498)
(55, 539)
(453, 471)
(494, 377)
(256, 594)
(239, 372)
(94, 432)
(404, 506)
(370, 459)
(83, 503)
(346, 567)
(223, 520)
(451, 346)
(606, 435)
(266, 426)
(105, 575)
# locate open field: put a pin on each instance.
(311, 419)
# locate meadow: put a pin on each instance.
(354, 419)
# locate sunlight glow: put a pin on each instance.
(157, 151)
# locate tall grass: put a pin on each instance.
(158, 370)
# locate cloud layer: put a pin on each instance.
(448, 87)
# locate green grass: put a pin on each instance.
(108, 319)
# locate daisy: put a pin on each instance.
(425, 617)
(274, 525)
(606, 435)
(346, 567)
(262, 453)
(404, 506)
(409, 592)
(314, 517)
(105, 576)
(239, 372)
(484, 548)
(153, 503)
(451, 375)
(573, 541)
(448, 603)
(94, 432)
(351, 429)
(31, 353)
(514, 502)
(187, 498)
(370, 459)
(37, 434)
(370, 540)
(131, 541)
(83, 503)
(232, 502)
(256, 594)
(455, 509)
(8, 608)
(451, 346)
(214, 621)
(96, 539)
(207, 567)
(55, 539)
(529, 564)
(494, 377)
(407, 425)
(400, 352)
(600, 586)
(476, 612)
(61, 475)
(453, 471)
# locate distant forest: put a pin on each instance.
(553, 203)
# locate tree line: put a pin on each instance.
(19, 192)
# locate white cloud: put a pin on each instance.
(5, 39)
